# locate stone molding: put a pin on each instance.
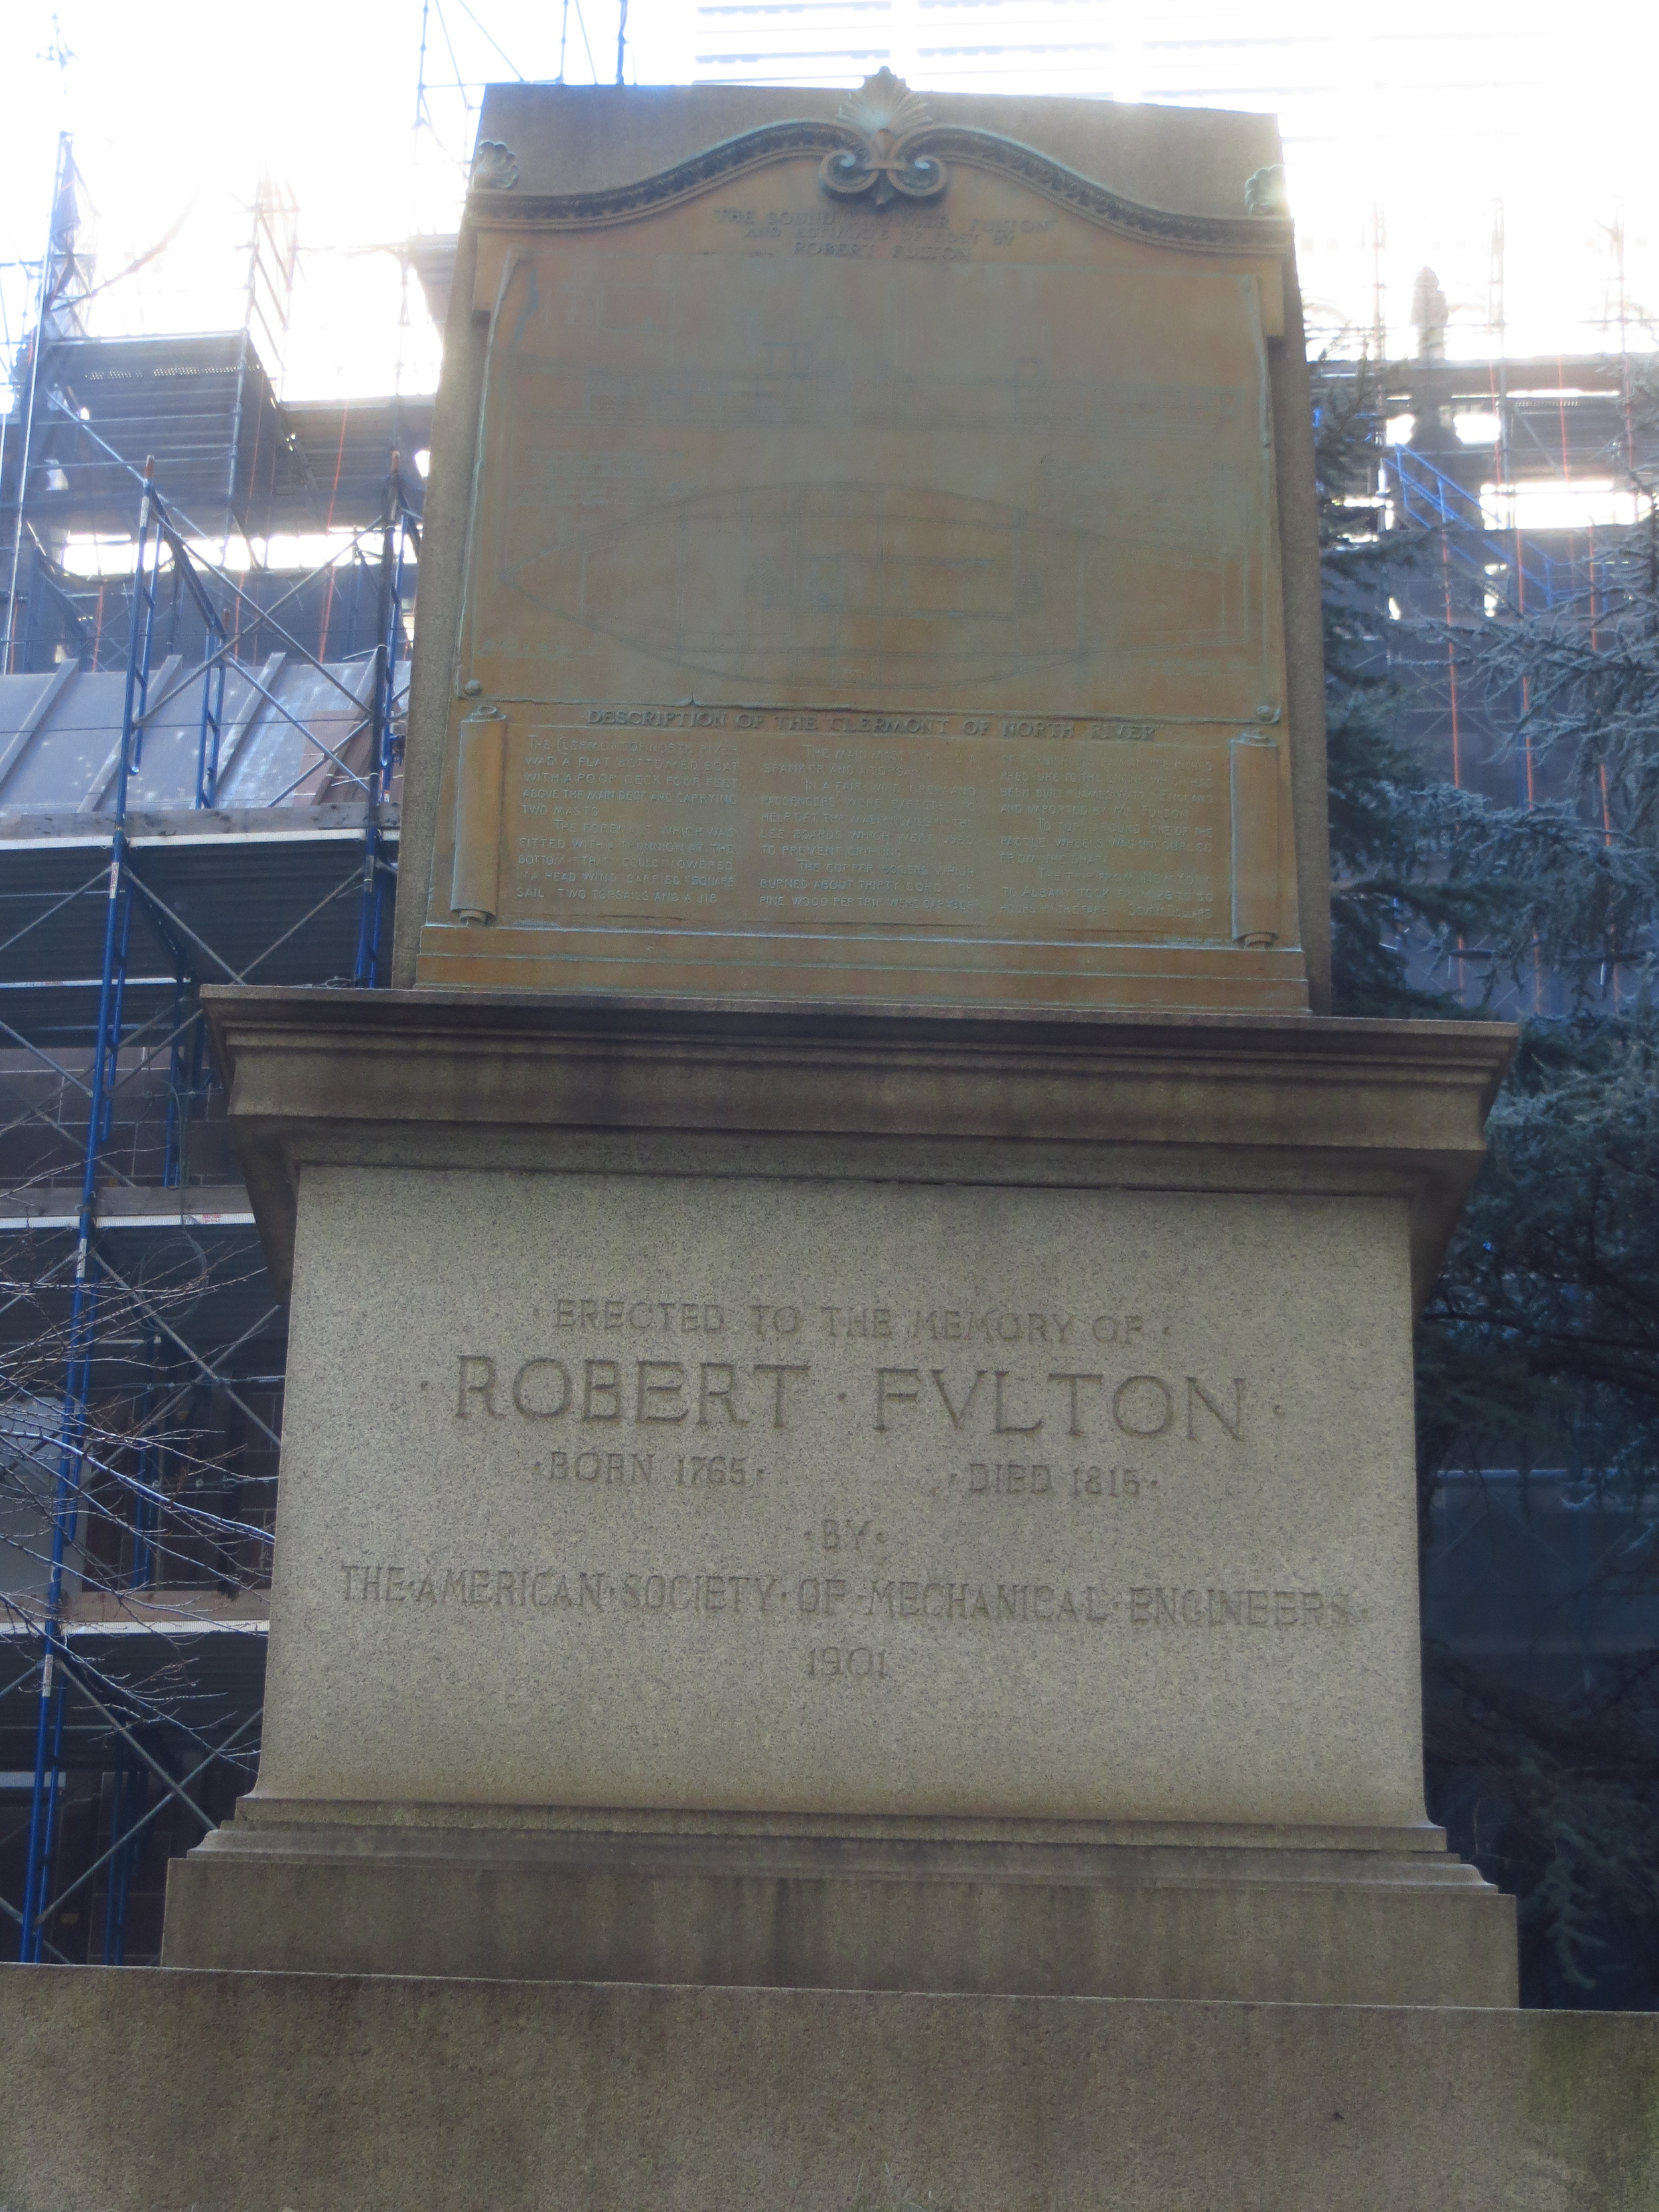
(485, 1079)
(1270, 1920)
(1254, 235)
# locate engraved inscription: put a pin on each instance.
(722, 1394)
(1010, 1402)
(645, 1593)
(639, 1393)
(864, 1490)
(1159, 1607)
(854, 1662)
(905, 233)
(792, 819)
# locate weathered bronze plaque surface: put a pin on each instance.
(872, 601)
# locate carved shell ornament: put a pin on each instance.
(495, 168)
(1265, 191)
(889, 117)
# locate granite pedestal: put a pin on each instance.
(828, 1499)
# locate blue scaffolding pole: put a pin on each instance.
(142, 1785)
(1428, 499)
(399, 535)
(155, 531)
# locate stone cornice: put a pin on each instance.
(478, 1078)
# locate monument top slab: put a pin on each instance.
(581, 139)
(868, 559)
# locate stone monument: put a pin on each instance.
(849, 1404)
(847, 1513)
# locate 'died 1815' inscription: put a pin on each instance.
(872, 601)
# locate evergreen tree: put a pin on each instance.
(1540, 1346)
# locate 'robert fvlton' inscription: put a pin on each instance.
(949, 819)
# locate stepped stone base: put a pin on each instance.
(134, 2090)
(1384, 1917)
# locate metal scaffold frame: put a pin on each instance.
(1485, 560)
(140, 1022)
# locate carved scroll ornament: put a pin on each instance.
(890, 119)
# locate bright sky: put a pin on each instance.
(1448, 110)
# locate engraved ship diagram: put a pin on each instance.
(855, 585)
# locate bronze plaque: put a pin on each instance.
(871, 600)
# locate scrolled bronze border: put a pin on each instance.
(752, 150)
(1070, 188)
(1252, 234)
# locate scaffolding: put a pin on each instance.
(1560, 435)
(200, 762)
(1561, 426)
